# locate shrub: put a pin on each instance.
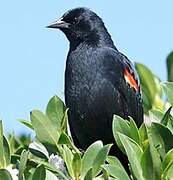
(52, 154)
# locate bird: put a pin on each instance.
(99, 80)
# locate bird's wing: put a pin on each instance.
(123, 80)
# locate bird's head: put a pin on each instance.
(81, 25)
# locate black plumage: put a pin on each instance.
(99, 80)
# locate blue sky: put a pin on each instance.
(32, 58)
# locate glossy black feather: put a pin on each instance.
(95, 87)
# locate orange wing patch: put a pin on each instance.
(130, 79)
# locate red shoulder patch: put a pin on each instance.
(130, 79)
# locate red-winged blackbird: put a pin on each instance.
(99, 80)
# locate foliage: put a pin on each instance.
(52, 154)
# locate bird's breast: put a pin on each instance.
(82, 78)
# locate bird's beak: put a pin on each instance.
(58, 24)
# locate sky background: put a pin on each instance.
(32, 58)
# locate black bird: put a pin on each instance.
(99, 80)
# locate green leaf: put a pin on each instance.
(100, 159)
(168, 89)
(5, 175)
(134, 134)
(146, 161)
(40, 173)
(55, 111)
(68, 158)
(147, 81)
(64, 121)
(143, 135)
(4, 149)
(89, 156)
(65, 139)
(45, 130)
(147, 104)
(155, 156)
(134, 153)
(170, 67)
(161, 137)
(167, 166)
(112, 160)
(157, 140)
(23, 161)
(2, 153)
(116, 172)
(115, 168)
(48, 166)
(88, 175)
(156, 115)
(166, 118)
(7, 152)
(76, 165)
(167, 161)
(170, 123)
(38, 149)
(120, 125)
(12, 143)
(151, 89)
(51, 176)
(26, 123)
(169, 172)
